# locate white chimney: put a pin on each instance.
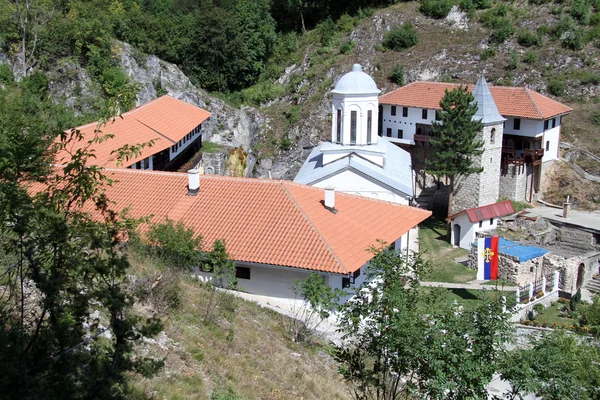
(193, 182)
(330, 199)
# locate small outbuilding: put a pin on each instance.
(466, 224)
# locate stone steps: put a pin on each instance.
(593, 285)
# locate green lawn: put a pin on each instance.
(436, 249)
(469, 298)
(552, 315)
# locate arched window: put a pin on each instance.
(339, 126)
(493, 136)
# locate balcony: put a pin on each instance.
(421, 138)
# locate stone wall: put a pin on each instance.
(213, 163)
(483, 188)
(514, 183)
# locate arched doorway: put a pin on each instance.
(456, 235)
(580, 274)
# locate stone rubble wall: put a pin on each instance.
(513, 184)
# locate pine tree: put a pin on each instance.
(455, 138)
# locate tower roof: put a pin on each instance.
(356, 82)
(486, 106)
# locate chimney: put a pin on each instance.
(330, 200)
(566, 208)
(193, 182)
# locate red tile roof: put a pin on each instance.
(165, 119)
(511, 101)
(267, 221)
(487, 212)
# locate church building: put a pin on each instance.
(357, 160)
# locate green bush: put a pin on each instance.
(35, 83)
(556, 87)
(397, 75)
(589, 78)
(472, 5)
(285, 143)
(530, 57)
(262, 93)
(527, 38)
(436, 8)
(538, 2)
(596, 118)
(346, 23)
(502, 30)
(581, 11)
(563, 25)
(327, 31)
(6, 74)
(488, 53)
(347, 47)
(401, 38)
(513, 61)
(574, 40)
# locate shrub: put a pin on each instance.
(556, 87)
(401, 38)
(327, 30)
(538, 308)
(596, 118)
(562, 26)
(530, 57)
(538, 2)
(527, 38)
(574, 40)
(488, 53)
(513, 61)
(398, 75)
(346, 23)
(6, 74)
(262, 93)
(285, 143)
(347, 47)
(581, 11)
(436, 8)
(503, 29)
(175, 245)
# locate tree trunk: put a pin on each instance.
(302, 19)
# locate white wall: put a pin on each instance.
(552, 136)
(407, 124)
(361, 104)
(468, 230)
(529, 127)
(351, 182)
(184, 143)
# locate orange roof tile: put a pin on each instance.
(489, 211)
(165, 120)
(267, 221)
(511, 101)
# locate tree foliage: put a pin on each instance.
(69, 264)
(455, 138)
(175, 245)
(403, 342)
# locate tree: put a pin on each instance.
(455, 138)
(175, 245)
(69, 263)
(402, 342)
(223, 273)
(314, 302)
(31, 16)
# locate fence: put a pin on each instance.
(538, 289)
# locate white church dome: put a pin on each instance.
(356, 82)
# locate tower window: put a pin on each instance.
(405, 112)
(388, 132)
(400, 134)
(339, 126)
(369, 122)
(547, 145)
(480, 224)
(393, 110)
(517, 124)
(352, 127)
(493, 136)
(424, 113)
(491, 221)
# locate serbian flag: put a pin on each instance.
(487, 258)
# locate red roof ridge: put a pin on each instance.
(329, 249)
(534, 103)
(496, 209)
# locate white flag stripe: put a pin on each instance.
(480, 262)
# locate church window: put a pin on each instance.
(480, 224)
(242, 273)
(369, 123)
(493, 136)
(339, 126)
(393, 110)
(353, 127)
(424, 113)
(517, 124)
(491, 221)
(388, 132)
(400, 134)
(405, 112)
(491, 160)
(547, 145)
(546, 124)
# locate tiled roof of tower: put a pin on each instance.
(511, 101)
(487, 212)
(165, 120)
(267, 221)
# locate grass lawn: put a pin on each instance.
(436, 249)
(469, 298)
(552, 315)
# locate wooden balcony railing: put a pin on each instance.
(421, 138)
